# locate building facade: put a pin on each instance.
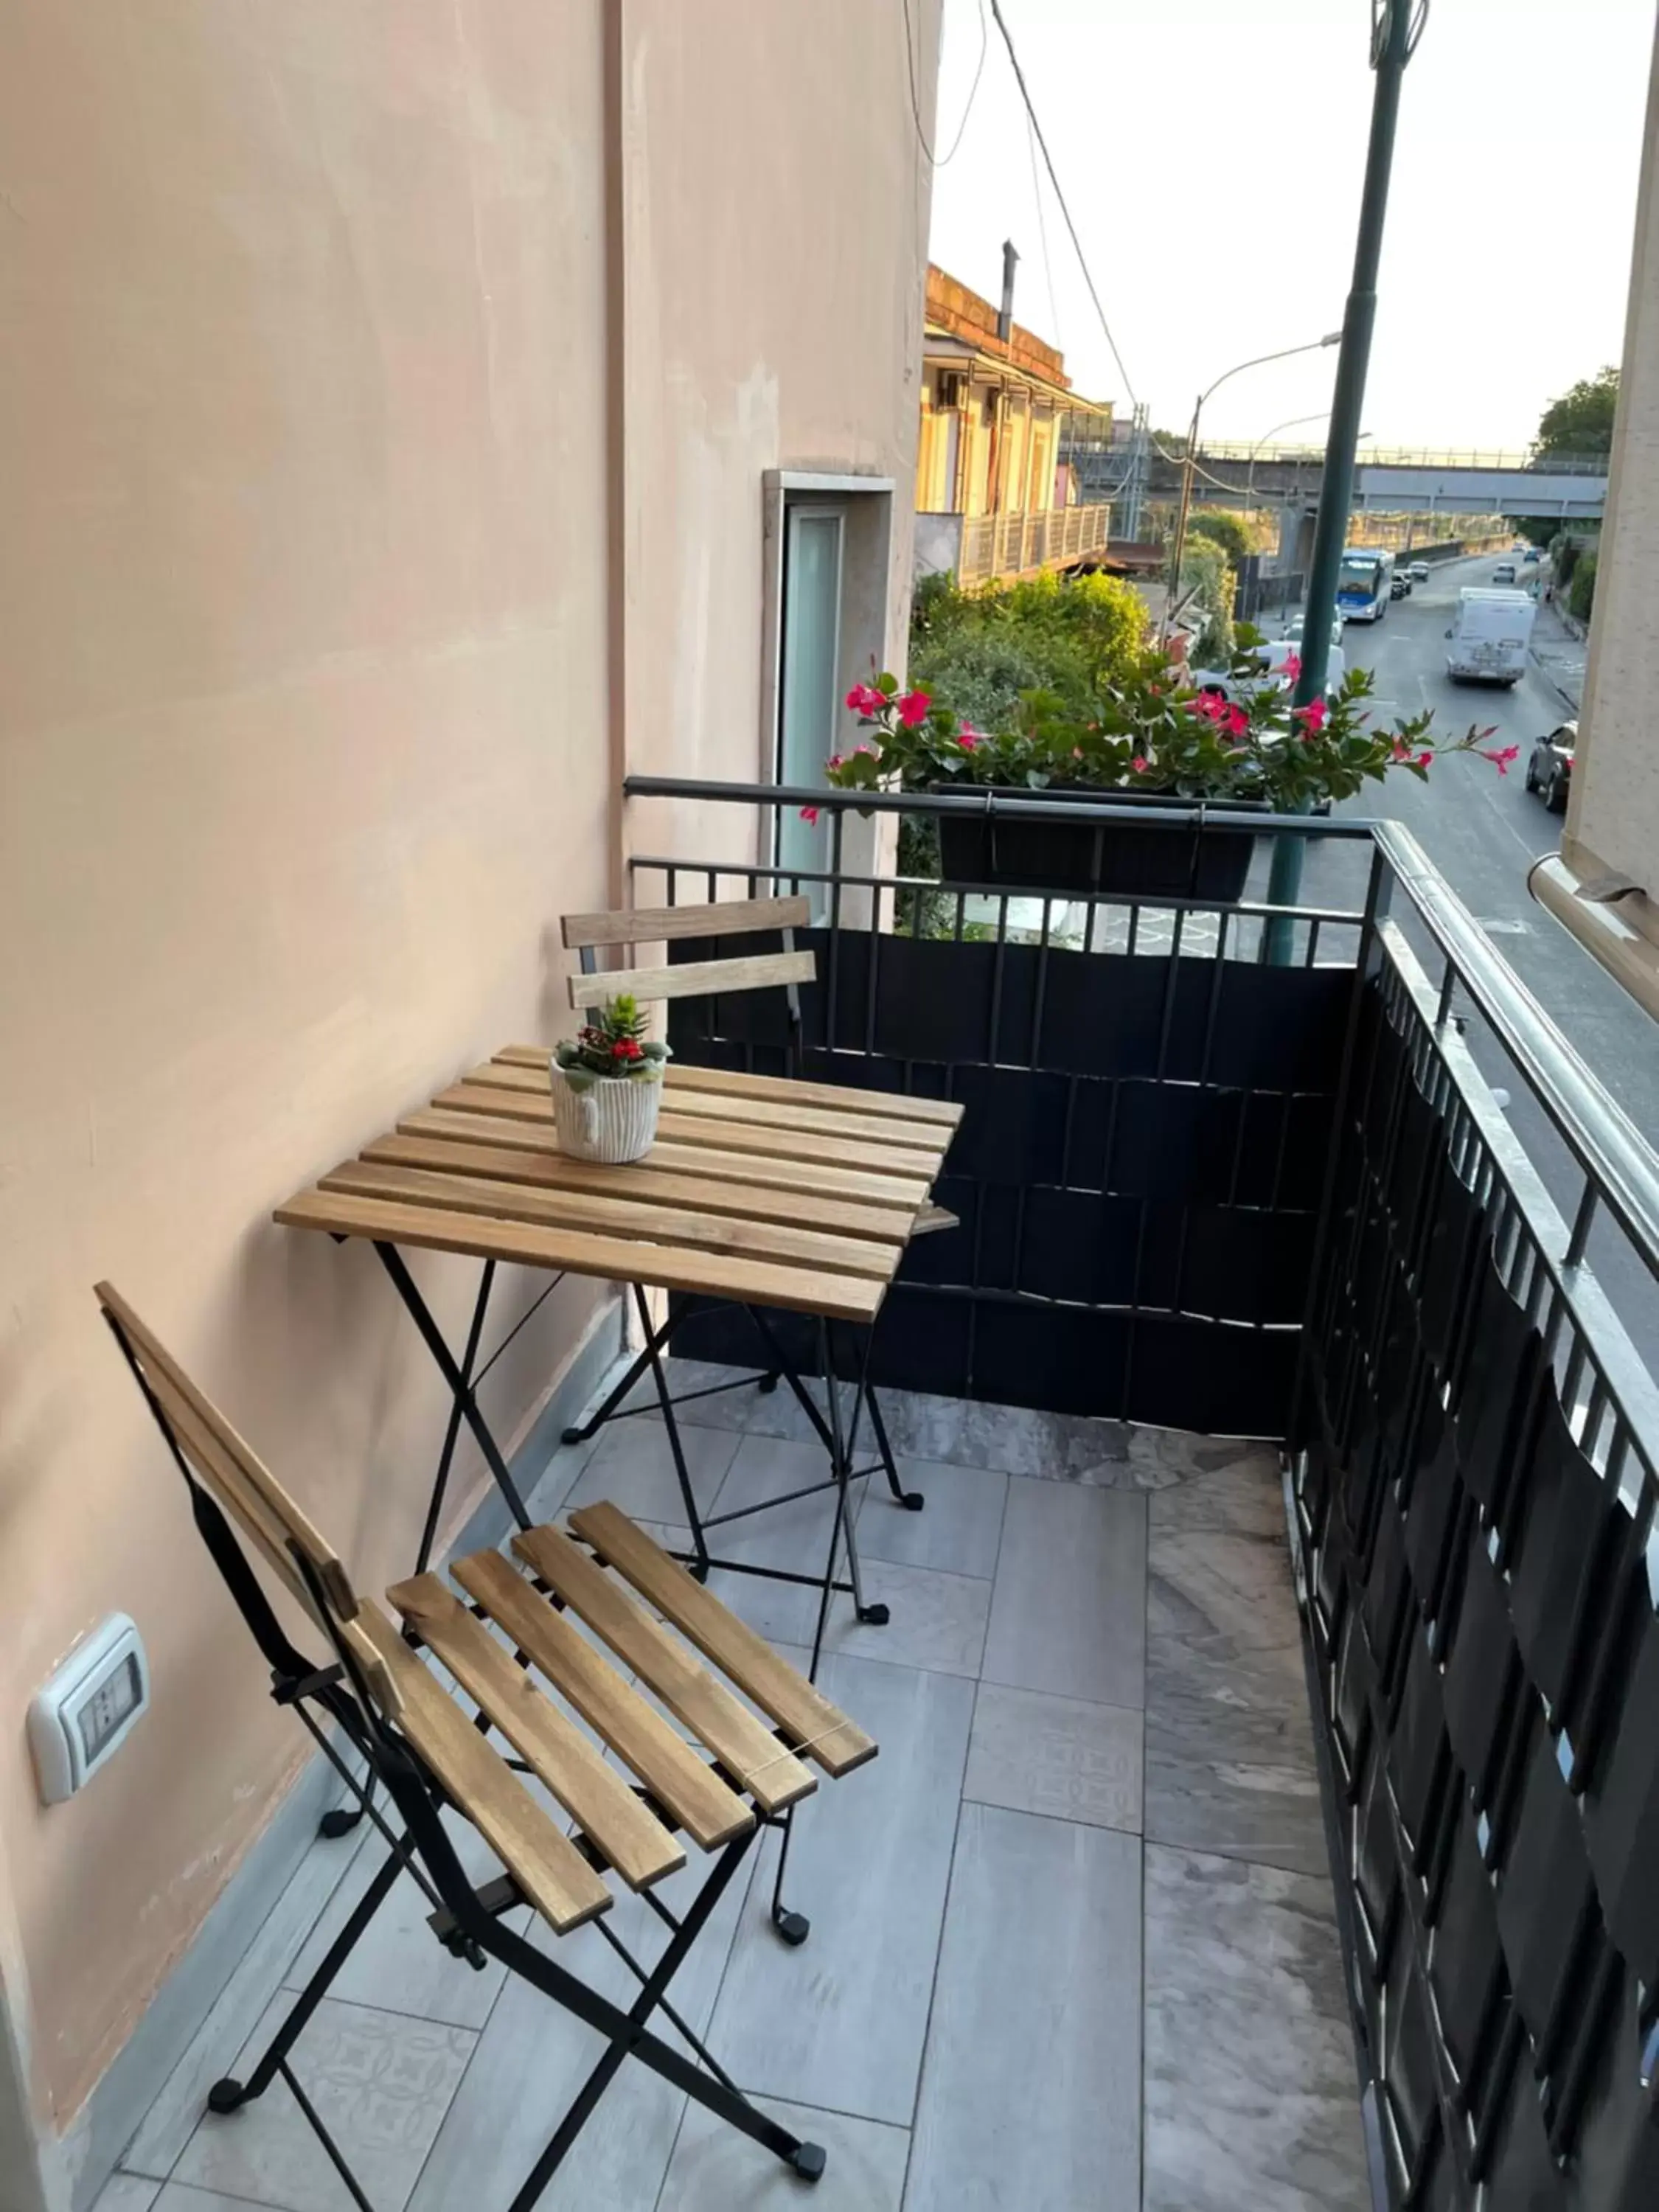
(421, 416)
(1605, 882)
(993, 497)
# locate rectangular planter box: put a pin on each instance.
(1058, 856)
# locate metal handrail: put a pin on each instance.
(980, 805)
(1609, 1146)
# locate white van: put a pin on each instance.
(1490, 636)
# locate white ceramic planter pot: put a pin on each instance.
(612, 1119)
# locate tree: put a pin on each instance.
(1580, 420)
(1205, 575)
(1225, 531)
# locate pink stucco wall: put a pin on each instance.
(382, 444)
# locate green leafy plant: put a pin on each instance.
(613, 1048)
(1581, 597)
(1151, 731)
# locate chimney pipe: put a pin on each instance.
(1005, 313)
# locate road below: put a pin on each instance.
(1483, 831)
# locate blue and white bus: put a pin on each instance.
(1363, 582)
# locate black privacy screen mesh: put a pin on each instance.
(1136, 1176)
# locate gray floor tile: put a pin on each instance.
(380, 2084)
(715, 2169)
(1057, 1756)
(633, 1466)
(1068, 1612)
(125, 2192)
(958, 1530)
(1011, 1438)
(1030, 2096)
(533, 2057)
(1230, 1765)
(180, 2197)
(399, 1964)
(721, 1409)
(240, 2004)
(839, 2024)
(545, 1500)
(1221, 1590)
(936, 1620)
(1238, 2120)
(1234, 1485)
(795, 1536)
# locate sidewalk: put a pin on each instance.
(1559, 654)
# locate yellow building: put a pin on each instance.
(993, 498)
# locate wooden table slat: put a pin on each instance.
(661, 1266)
(651, 1185)
(915, 1169)
(761, 1113)
(762, 1171)
(846, 1098)
(618, 1216)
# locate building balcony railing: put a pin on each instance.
(1369, 1207)
(982, 546)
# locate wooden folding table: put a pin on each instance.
(764, 1191)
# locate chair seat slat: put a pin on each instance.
(546, 1865)
(743, 1745)
(798, 1708)
(594, 1795)
(670, 1770)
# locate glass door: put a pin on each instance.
(809, 704)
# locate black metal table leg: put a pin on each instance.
(654, 1340)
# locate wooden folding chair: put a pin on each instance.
(373, 1690)
(586, 935)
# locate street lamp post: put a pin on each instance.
(1396, 26)
(1331, 338)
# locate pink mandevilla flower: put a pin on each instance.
(1238, 721)
(1138, 764)
(1501, 760)
(1312, 717)
(810, 815)
(1293, 668)
(865, 698)
(834, 761)
(913, 708)
(1425, 756)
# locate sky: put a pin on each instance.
(1212, 153)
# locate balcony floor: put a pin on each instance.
(1072, 1943)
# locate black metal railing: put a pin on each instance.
(1200, 1189)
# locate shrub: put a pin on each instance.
(1581, 597)
(1225, 531)
(1205, 575)
(984, 649)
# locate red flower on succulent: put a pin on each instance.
(626, 1048)
(913, 708)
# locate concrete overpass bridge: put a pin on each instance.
(1571, 486)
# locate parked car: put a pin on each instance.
(1294, 628)
(1549, 772)
(1400, 584)
(1272, 659)
(1504, 572)
(1418, 572)
(1531, 554)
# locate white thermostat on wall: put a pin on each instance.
(83, 1714)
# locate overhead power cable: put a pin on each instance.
(1049, 162)
(938, 160)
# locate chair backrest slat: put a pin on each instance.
(693, 979)
(232, 1470)
(658, 924)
